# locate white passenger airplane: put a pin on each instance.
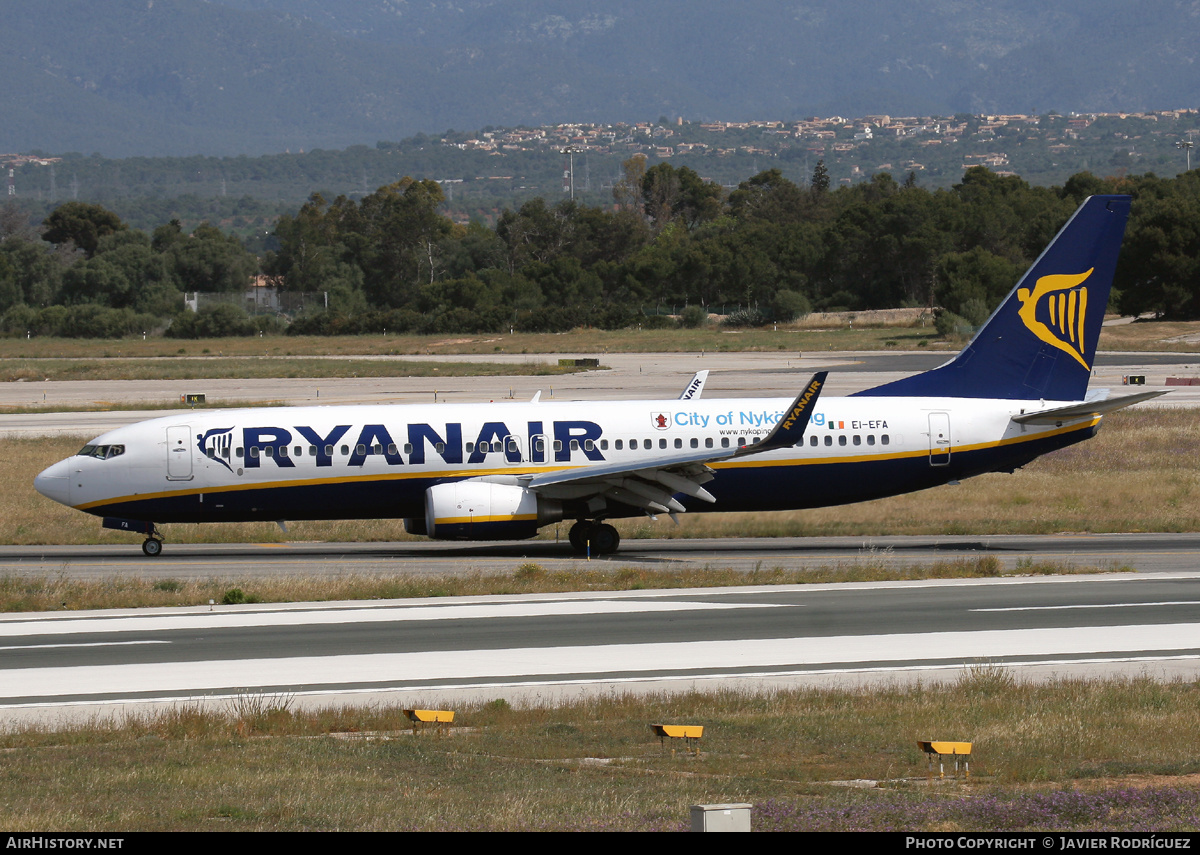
(502, 471)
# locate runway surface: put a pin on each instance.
(434, 652)
(1146, 553)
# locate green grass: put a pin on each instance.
(166, 368)
(1147, 336)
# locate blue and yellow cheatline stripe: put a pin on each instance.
(479, 520)
(458, 474)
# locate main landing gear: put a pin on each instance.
(594, 538)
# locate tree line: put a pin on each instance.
(767, 250)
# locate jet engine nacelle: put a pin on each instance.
(481, 510)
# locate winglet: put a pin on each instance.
(695, 387)
(789, 430)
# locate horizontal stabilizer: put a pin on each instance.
(1084, 410)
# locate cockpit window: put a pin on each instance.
(102, 452)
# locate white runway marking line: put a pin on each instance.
(1087, 606)
(310, 672)
(81, 644)
(387, 614)
(609, 681)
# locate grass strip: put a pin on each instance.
(1069, 755)
(13, 370)
(852, 331)
(46, 593)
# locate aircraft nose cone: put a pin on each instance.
(54, 482)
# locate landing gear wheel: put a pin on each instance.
(594, 538)
(579, 535)
(605, 539)
(152, 546)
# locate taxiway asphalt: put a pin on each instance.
(439, 652)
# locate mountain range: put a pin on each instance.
(226, 77)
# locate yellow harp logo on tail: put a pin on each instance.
(1063, 312)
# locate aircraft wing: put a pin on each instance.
(1086, 409)
(652, 484)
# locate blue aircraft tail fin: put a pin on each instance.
(1041, 342)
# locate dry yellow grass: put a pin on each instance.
(64, 592)
(594, 764)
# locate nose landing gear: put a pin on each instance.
(594, 538)
(153, 543)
